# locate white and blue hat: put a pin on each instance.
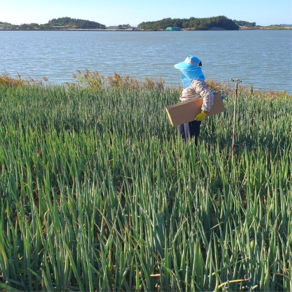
(190, 70)
(189, 63)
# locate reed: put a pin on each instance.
(8, 81)
(99, 193)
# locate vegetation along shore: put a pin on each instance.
(207, 23)
(99, 193)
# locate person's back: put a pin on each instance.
(194, 87)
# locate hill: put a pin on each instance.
(194, 23)
(76, 23)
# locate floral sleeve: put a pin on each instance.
(208, 99)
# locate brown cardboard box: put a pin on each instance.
(186, 111)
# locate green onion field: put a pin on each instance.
(99, 193)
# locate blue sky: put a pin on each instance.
(114, 12)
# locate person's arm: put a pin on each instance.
(208, 99)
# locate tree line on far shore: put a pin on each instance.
(57, 22)
(75, 23)
(192, 23)
(245, 23)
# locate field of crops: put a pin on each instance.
(99, 193)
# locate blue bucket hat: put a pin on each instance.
(189, 63)
(190, 69)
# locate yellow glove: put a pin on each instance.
(200, 117)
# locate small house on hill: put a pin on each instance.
(172, 28)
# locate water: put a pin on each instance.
(259, 58)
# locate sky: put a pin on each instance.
(133, 12)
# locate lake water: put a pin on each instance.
(259, 58)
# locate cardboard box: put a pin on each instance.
(186, 111)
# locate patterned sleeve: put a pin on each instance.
(208, 99)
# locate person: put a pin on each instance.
(194, 87)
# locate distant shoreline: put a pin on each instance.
(266, 28)
(142, 30)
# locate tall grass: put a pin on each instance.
(99, 193)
